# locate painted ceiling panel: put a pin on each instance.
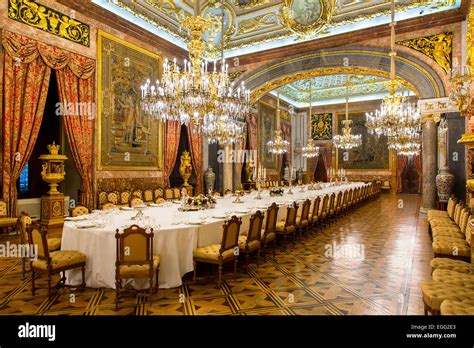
(255, 25)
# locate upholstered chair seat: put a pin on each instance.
(211, 253)
(453, 265)
(280, 228)
(454, 278)
(301, 223)
(61, 259)
(434, 293)
(253, 245)
(453, 233)
(270, 236)
(465, 307)
(160, 200)
(137, 271)
(451, 247)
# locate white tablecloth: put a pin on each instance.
(174, 243)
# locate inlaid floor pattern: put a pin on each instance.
(382, 254)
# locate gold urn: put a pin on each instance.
(53, 168)
(52, 203)
(185, 168)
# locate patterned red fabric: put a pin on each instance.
(172, 135)
(25, 88)
(419, 170)
(195, 143)
(325, 155)
(402, 162)
(240, 148)
(79, 127)
(27, 70)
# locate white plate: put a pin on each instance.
(220, 216)
(261, 207)
(154, 205)
(126, 208)
(242, 211)
(86, 225)
(75, 218)
(196, 222)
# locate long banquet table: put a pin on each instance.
(177, 235)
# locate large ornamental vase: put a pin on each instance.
(210, 179)
(444, 183)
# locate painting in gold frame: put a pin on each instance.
(267, 125)
(128, 139)
(372, 154)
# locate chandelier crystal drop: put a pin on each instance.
(198, 91)
(398, 118)
(310, 150)
(278, 146)
(347, 140)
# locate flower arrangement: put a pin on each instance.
(276, 191)
(199, 202)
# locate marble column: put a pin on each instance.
(228, 180)
(429, 150)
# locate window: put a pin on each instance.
(24, 184)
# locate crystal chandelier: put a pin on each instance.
(310, 150)
(347, 141)
(190, 92)
(460, 79)
(222, 125)
(407, 144)
(398, 118)
(278, 146)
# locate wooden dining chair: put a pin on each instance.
(108, 206)
(268, 232)
(79, 210)
(314, 213)
(125, 197)
(135, 260)
(219, 254)
(135, 202)
(250, 243)
(137, 193)
(287, 227)
(169, 194)
(302, 221)
(148, 196)
(158, 193)
(51, 263)
(102, 198)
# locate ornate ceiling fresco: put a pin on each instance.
(256, 25)
(331, 89)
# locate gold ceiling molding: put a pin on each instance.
(271, 85)
(31, 13)
(307, 17)
(260, 22)
(438, 47)
(234, 75)
(249, 4)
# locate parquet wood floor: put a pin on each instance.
(382, 253)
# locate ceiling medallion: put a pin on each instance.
(306, 17)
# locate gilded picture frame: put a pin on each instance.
(267, 126)
(372, 155)
(127, 138)
(304, 17)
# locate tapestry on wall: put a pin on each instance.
(321, 126)
(372, 154)
(267, 117)
(128, 139)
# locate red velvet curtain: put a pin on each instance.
(27, 70)
(25, 87)
(419, 170)
(401, 165)
(80, 127)
(172, 135)
(195, 143)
